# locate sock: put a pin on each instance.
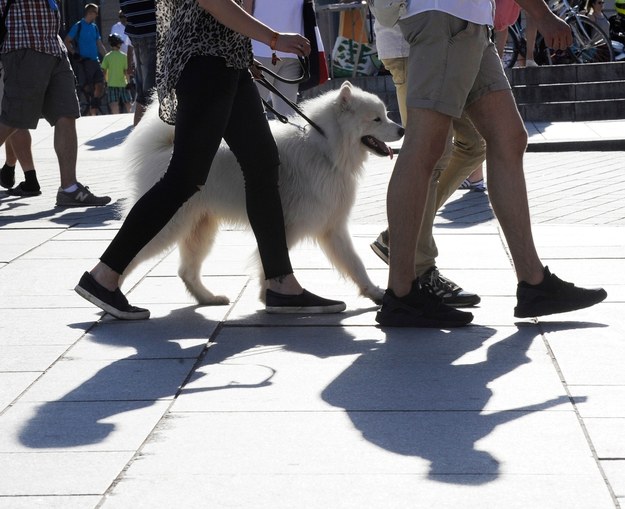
(8, 172)
(30, 180)
(71, 188)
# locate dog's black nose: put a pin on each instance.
(401, 131)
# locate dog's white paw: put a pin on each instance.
(375, 293)
(214, 300)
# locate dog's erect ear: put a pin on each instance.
(345, 95)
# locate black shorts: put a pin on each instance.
(88, 72)
(37, 84)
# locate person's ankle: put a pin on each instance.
(285, 285)
(105, 277)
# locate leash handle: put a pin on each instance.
(304, 64)
(263, 81)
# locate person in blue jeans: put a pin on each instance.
(85, 43)
(206, 91)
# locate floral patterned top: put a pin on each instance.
(185, 30)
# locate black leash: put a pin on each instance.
(304, 77)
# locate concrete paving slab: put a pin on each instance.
(14, 358)
(59, 473)
(607, 436)
(51, 326)
(12, 384)
(592, 356)
(49, 502)
(615, 471)
(599, 400)
(384, 443)
(358, 491)
(16, 243)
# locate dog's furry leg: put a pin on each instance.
(158, 245)
(194, 247)
(338, 247)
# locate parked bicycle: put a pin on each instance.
(590, 42)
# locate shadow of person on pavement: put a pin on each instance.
(73, 217)
(166, 350)
(109, 140)
(467, 210)
(414, 396)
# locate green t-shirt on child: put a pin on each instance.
(115, 63)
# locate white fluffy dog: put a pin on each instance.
(318, 178)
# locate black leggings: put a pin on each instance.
(215, 102)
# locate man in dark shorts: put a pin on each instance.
(39, 82)
(85, 43)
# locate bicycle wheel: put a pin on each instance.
(590, 42)
(511, 50)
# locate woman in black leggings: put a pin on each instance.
(206, 90)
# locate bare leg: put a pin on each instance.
(531, 30)
(114, 108)
(11, 158)
(5, 132)
(20, 146)
(424, 144)
(66, 148)
(496, 117)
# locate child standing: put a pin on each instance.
(115, 67)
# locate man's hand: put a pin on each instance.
(556, 32)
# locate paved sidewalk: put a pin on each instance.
(230, 407)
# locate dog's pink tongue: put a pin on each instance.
(390, 151)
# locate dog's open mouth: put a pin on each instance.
(377, 146)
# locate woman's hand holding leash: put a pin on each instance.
(290, 43)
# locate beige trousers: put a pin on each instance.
(465, 151)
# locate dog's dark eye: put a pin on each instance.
(377, 119)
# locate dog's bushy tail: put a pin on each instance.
(147, 151)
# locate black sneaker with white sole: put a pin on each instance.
(420, 308)
(114, 303)
(552, 296)
(380, 246)
(450, 292)
(304, 303)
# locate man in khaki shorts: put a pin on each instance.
(39, 81)
(454, 67)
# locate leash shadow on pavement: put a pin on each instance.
(109, 140)
(166, 349)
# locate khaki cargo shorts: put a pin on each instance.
(452, 62)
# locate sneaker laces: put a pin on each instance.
(438, 284)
